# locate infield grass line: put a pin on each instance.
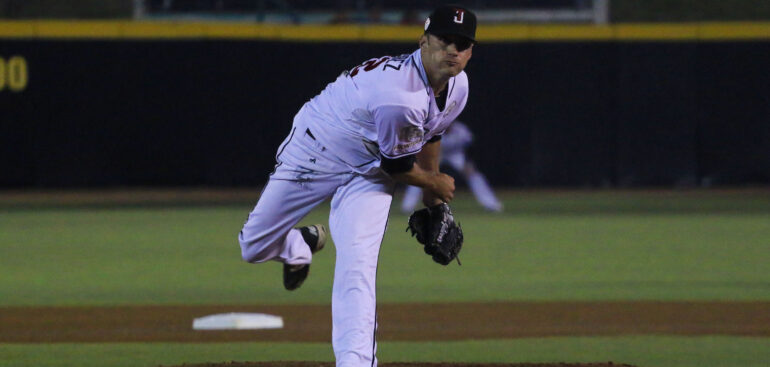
(545, 246)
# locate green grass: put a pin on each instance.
(546, 246)
(603, 245)
(643, 351)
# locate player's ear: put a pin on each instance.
(423, 40)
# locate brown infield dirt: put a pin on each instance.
(397, 322)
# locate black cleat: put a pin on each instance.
(294, 275)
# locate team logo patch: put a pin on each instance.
(410, 133)
(408, 138)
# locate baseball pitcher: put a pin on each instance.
(378, 123)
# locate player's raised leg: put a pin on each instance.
(268, 233)
(358, 220)
(305, 176)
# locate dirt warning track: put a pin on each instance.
(397, 322)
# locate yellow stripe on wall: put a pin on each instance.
(673, 32)
(378, 33)
(726, 31)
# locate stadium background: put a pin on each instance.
(585, 106)
(112, 127)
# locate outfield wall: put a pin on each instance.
(95, 104)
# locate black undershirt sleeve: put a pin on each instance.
(398, 165)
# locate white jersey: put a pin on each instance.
(384, 107)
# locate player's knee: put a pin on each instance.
(256, 248)
(251, 254)
(244, 247)
(245, 254)
(249, 248)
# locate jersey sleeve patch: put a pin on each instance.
(409, 138)
(399, 130)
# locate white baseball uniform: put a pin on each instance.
(453, 145)
(382, 108)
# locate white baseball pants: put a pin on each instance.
(306, 175)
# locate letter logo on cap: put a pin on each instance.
(459, 14)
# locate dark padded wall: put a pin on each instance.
(588, 114)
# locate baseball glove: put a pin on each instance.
(436, 229)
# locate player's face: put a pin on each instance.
(446, 55)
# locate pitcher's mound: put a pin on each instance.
(411, 364)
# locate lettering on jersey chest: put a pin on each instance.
(391, 62)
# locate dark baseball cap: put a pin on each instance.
(452, 20)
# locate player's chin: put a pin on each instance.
(453, 69)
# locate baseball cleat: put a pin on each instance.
(315, 238)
